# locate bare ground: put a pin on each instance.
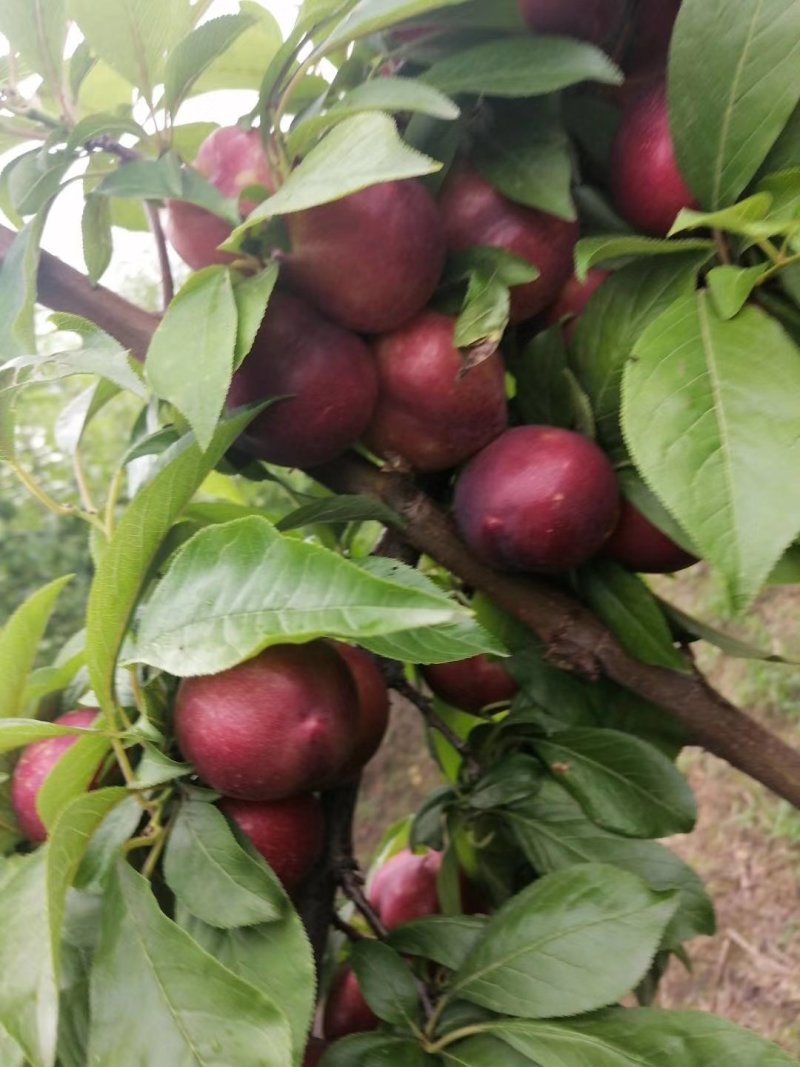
(746, 845)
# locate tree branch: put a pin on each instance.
(63, 289)
(575, 639)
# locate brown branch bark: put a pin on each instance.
(63, 289)
(575, 639)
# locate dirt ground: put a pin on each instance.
(746, 845)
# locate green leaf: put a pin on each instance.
(275, 958)
(18, 287)
(484, 1050)
(370, 16)
(37, 29)
(98, 354)
(620, 1037)
(617, 314)
(489, 273)
(375, 1050)
(361, 151)
(743, 62)
(569, 701)
(447, 940)
(132, 36)
(727, 643)
(29, 1002)
(572, 942)
(591, 251)
(211, 874)
(623, 784)
(526, 155)
(484, 316)
(197, 1012)
(522, 66)
(625, 604)
(19, 642)
(264, 589)
(386, 982)
(69, 841)
(555, 834)
(748, 218)
(242, 64)
(546, 387)
(71, 776)
(147, 179)
(106, 844)
(340, 509)
(157, 768)
(11, 1054)
(731, 287)
(36, 178)
(190, 358)
(196, 52)
(98, 244)
(139, 533)
(381, 94)
(786, 150)
(513, 778)
(252, 295)
(76, 415)
(433, 644)
(14, 733)
(710, 420)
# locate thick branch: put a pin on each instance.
(575, 639)
(64, 289)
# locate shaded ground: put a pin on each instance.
(746, 845)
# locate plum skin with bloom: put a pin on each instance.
(539, 498)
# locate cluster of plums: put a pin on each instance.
(355, 352)
(269, 735)
(353, 348)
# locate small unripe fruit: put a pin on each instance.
(590, 20)
(370, 260)
(646, 184)
(231, 159)
(404, 888)
(572, 300)
(326, 377)
(475, 213)
(346, 1010)
(34, 767)
(276, 726)
(431, 410)
(471, 684)
(539, 498)
(638, 544)
(289, 834)
(373, 707)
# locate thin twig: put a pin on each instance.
(167, 282)
(349, 931)
(393, 673)
(351, 882)
(723, 251)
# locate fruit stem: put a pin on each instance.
(47, 501)
(783, 264)
(432, 1048)
(157, 230)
